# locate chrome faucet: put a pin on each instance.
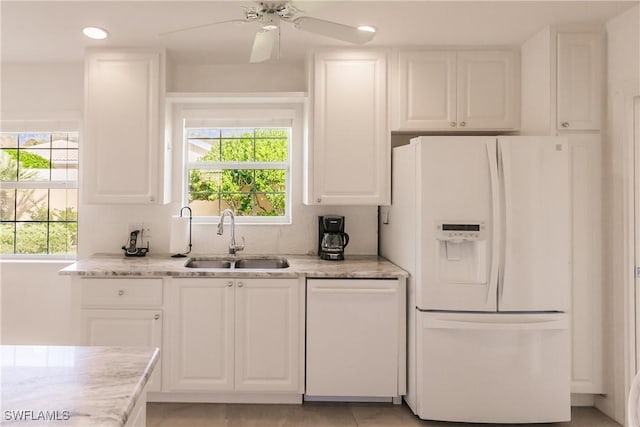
(233, 246)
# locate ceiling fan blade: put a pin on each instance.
(263, 45)
(332, 29)
(236, 21)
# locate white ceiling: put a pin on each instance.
(50, 31)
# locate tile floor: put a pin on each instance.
(323, 414)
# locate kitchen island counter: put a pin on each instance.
(354, 267)
(73, 385)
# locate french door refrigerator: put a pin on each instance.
(482, 224)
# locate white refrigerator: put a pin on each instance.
(482, 224)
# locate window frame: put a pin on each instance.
(44, 127)
(238, 116)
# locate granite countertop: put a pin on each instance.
(72, 386)
(355, 266)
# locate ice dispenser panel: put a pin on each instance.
(462, 252)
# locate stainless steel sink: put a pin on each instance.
(256, 263)
(207, 263)
(262, 263)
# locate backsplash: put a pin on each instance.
(104, 228)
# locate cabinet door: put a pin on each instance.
(201, 352)
(488, 90)
(579, 81)
(426, 84)
(350, 143)
(134, 328)
(352, 337)
(267, 335)
(123, 101)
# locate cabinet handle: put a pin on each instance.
(452, 124)
(463, 124)
(240, 284)
(319, 199)
(565, 124)
(229, 284)
(152, 199)
(156, 317)
(121, 292)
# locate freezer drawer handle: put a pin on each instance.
(513, 325)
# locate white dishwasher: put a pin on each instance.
(355, 333)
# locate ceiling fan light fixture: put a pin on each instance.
(95, 33)
(367, 28)
(270, 22)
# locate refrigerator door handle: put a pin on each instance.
(512, 324)
(505, 171)
(495, 221)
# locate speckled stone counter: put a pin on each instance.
(355, 266)
(72, 386)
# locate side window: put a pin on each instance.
(39, 193)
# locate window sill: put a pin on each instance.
(21, 259)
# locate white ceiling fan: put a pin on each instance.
(269, 15)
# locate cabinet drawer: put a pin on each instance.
(121, 292)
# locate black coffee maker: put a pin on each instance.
(331, 237)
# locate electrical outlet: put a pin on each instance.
(145, 229)
(135, 226)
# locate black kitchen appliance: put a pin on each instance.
(331, 237)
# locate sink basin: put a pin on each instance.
(262, 263)
(258, 263)
(207, 263)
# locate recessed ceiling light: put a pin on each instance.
(95, 33)
(367, 28)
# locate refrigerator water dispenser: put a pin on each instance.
(462, 252)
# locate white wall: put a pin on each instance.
(264, 77)
(37, 91)
(35, 304)
(623, 82)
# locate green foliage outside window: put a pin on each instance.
(29, 160)
(39, 220)
(256, 191)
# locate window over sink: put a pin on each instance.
(237, 159)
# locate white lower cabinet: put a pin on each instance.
(123, 312)
(355, 338)
(232, 335)
(200, 354)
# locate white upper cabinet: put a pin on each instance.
(488, 90)
(456, 90)
(125, 149)
(426, 90)
(349, 146)
(579, 81)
